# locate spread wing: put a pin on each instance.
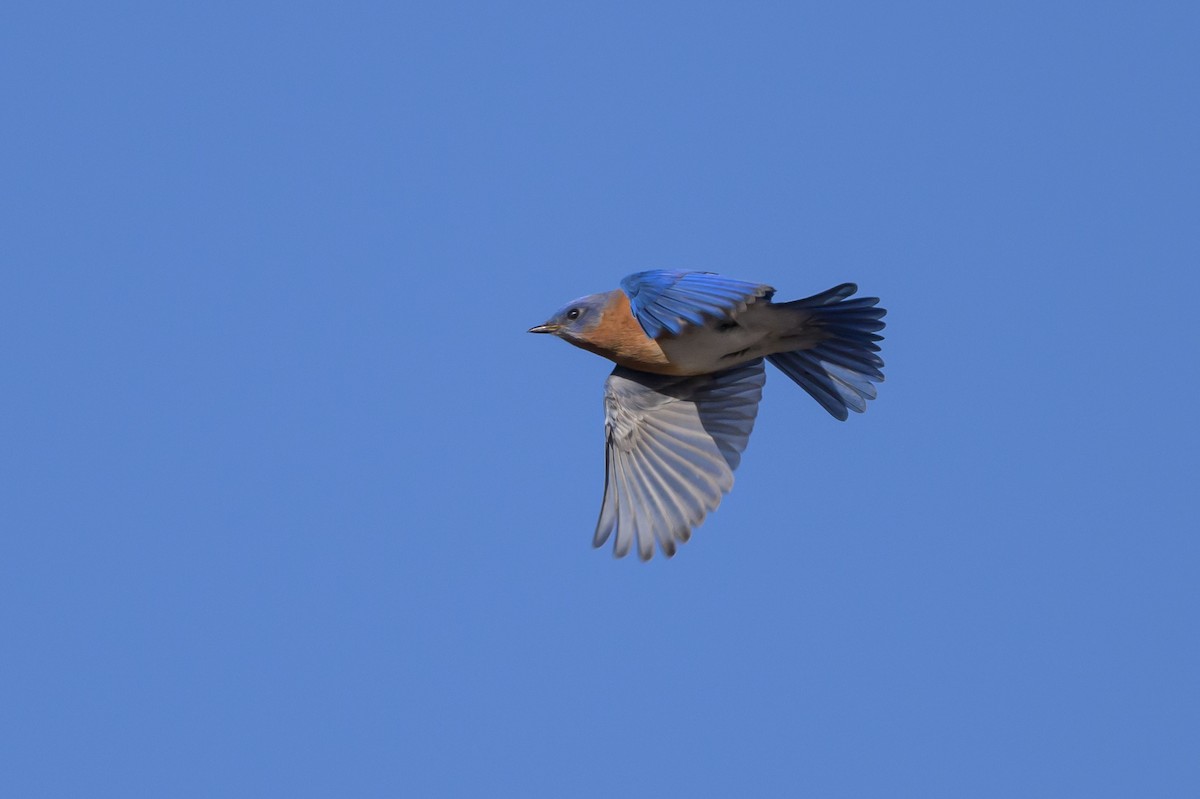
(672, 446)
(667, 301)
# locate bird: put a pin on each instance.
(681, 402)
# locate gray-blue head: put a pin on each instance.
(575, 320)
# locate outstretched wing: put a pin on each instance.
(672, 446)
(667, 301)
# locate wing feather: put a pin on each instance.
(668, 301)
(672, 444)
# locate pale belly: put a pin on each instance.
(760, 330)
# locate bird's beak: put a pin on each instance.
(546, 328)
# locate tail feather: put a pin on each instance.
(827, 297)
(839, 372)
(865, 363)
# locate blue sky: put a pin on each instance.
(292, 505)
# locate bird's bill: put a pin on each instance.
(546, 328)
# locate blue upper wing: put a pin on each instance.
(666, 301)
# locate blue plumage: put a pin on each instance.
(666, 301)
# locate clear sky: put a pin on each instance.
(292, 505)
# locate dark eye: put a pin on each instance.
(573, 314)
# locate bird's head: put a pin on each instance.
(575, 320)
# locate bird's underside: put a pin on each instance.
(762, 329)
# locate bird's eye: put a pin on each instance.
(573, 314)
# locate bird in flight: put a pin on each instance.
(681, 402)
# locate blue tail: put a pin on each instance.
(840, 372)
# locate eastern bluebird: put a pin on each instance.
(680, 405)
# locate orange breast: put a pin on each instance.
(620, 338)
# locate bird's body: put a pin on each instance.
(762, 329)
(681, 403)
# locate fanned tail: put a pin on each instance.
(841, 370)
